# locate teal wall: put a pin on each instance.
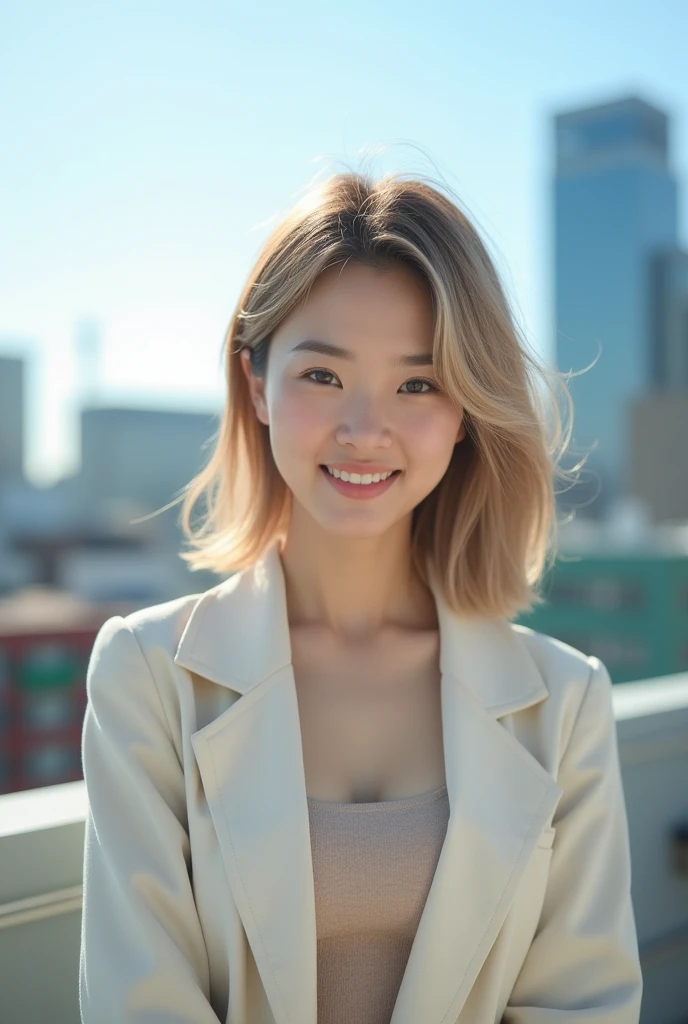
(629, 611)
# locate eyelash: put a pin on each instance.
(433, 387)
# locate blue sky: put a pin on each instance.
(149, 147)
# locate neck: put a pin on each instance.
(354, 588)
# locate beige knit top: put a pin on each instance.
(373, 864)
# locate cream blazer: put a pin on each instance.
(198, 897)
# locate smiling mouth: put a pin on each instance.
(360, 492)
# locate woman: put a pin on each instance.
(342, 785)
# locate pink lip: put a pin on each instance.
(359, 491)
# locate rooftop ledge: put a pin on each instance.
(50, 806)
(47, 807)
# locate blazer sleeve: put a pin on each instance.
(583, 964)
(143, 958)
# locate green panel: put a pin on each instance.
(49, 665)
(624, 607)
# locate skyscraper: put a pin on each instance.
(615, 211)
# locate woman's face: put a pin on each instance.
(359, 405)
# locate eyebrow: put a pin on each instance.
(327, 349)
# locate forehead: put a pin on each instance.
(361, 304)
(353, 278)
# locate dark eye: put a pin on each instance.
(413, 381)
(309, 372)
(420, 380)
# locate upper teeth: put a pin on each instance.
(356, 478)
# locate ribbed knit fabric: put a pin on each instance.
(373, 865)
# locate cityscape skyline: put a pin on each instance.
(148, 224)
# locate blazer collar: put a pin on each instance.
(238, 635)
(250, 759)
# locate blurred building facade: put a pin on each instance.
(75, 553)
(46, 637)
(619, 591)
(12, 412)
(657, 428)
(621, 287)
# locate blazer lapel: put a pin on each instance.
(250, 758)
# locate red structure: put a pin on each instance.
(46, 638)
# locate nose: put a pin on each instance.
(364, 425)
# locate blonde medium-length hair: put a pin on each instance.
(488, 530)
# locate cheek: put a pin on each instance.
(296, 422)
(432, 435)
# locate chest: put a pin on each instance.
(370, 717)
